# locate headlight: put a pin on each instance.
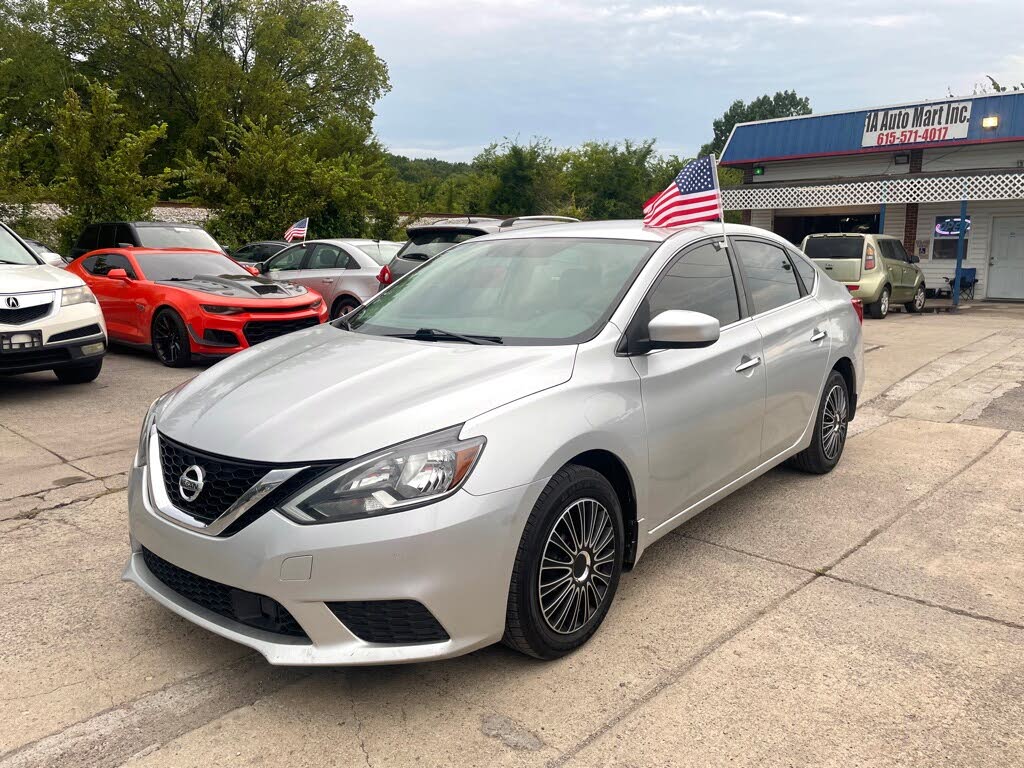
(142, 456)
(412, 474)
(316, 304)
(80, 294)
(215, 309)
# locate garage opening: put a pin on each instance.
(796, 228)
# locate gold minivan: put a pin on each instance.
(875, 269)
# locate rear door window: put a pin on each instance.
(805, 270)
(834, 247)
(899, 252)
(87, 240)
(768, 274)
(325, 256)
(108, 236)
(124, 236)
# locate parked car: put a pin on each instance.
(428, 240)
(253, 253)
(49, 319)
(143, 234)
(466, 460)
(46, 253)
(186, 303)
(344, 272)
(875, 269)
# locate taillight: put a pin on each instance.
(858, 307)
(869, 259)
(384, 277)
(852, 288)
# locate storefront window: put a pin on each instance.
(945, 236)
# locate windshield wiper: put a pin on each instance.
(16, 263)
(436, 334)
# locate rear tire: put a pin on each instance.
(170, 339)
(567, 567)
(343, 307)
(830, 428)
(79, 374)
(879, 309)
(916, 304)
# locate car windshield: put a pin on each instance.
(13, 252)
(176, 237)
(425, 245)
(186, 266)
(834, 247)
(382, 253)
(521, 291)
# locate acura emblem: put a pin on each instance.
(12, 302)
(190, 484)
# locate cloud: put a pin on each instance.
(469, 72)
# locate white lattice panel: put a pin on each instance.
(1003, 186)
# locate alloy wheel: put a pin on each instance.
(834, 422)
(167, 340)
(885, 303)
(576, 566)
(919, 299)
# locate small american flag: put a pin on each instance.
(692, 196)
(297, 230)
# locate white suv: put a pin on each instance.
(49, 319)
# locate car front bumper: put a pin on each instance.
(74, 335)
(454, 557)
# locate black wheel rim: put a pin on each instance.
(576, 566)
(834, 422)
(170, 347)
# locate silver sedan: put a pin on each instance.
(344, 272)
(479, 452)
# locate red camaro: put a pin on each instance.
(191, 302)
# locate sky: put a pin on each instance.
(466, 73)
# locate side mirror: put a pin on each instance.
(260, 267)
(117, 274)
(915, 259)
(252, 270)
(682, 329)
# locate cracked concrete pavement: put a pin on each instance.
(874, 616)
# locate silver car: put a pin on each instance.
(478, 453)
(344, 272)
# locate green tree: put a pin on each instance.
(524, 178)
(99, 162)
(262, 178)
(782, 104)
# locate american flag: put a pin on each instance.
(297, 230)
(692, 196)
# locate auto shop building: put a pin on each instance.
(920, 172)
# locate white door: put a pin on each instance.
(1006, 259)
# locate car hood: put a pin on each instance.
(328, 394)
(238, 287)
(19, 278)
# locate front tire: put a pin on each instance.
(830, 429)
(170, 339)
(879, 309)
(917, 303)
(79, 374)
(568, 565)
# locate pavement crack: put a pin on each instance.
(677, 673)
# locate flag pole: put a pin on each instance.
(718, 197)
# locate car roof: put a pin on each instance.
(490, 225)
(148, 224)
(344, 241)
(152, 251)
(633, 229)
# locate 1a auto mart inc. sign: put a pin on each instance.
(914, 125)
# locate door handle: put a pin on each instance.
(748, 363)
(819, 335)
(325, 280)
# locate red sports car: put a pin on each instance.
(190, 302)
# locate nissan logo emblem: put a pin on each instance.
(190, 484)
(12, 302)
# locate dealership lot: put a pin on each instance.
(873, 616)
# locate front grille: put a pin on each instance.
(77, 333)
(224, 481)
(24, 315)
(12, 360)
(247, 608)
(404, 622)
(259, 330)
